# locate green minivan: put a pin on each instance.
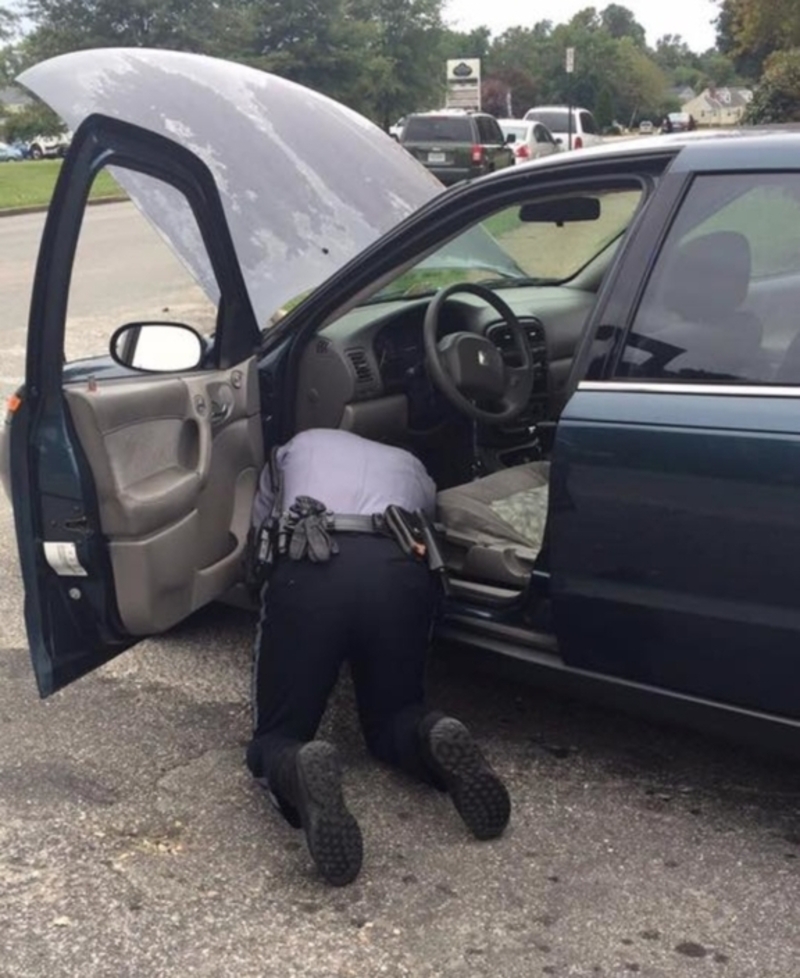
(457, 145)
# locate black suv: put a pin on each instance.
(457, 145)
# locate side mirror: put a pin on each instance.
(157, 347)
(511, 138)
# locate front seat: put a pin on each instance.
(494, 526)
(698, 307)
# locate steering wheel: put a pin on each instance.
(469, 369)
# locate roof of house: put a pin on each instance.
(720, 99)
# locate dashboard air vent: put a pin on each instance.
(361, 365)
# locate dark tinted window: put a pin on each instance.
(484, 130)
(556, 120)
(541, 135)
(587, 123)
(722, 302)
(438, 129)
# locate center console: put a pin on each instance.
(519, 441)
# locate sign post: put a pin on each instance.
(464, 84)
(569, 66)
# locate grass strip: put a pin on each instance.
(30, 183)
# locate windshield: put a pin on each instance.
(506, 250)
(437, 129)
(556, 120)
(521, 132)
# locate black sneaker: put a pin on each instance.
(332, 833)
(480, 797)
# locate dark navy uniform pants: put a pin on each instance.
(369, 605)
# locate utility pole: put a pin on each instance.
(569, 65)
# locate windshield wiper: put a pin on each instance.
(516, 283)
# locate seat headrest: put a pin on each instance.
(708, 276)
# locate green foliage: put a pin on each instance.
(777, 98)
(386, 58)
(34, 120)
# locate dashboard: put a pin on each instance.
(366, 371)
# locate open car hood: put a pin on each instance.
(305, 182)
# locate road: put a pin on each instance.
(132, 842)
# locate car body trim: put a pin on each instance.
(659, 387)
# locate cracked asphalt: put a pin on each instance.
(132, 842)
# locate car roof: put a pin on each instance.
(543, 108)
(773, 148)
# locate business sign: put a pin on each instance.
(464, 84)
(569, 61)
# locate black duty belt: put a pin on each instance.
(306, 531)
(345, 523)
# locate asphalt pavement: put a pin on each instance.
(132, 842)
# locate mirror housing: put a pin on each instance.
(157, 347)
(511, 138)
(561, 211)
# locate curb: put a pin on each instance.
(40, 208)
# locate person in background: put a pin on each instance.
(330, 511)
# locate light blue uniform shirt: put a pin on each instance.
(348, 473)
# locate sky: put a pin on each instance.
(692, 19)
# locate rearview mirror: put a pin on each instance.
(157, 347)
(562, 211)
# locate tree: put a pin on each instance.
(777, 98)
(68, 25)
(8, 23)
(32, 120)
(620, 22)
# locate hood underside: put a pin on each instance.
(305, 182)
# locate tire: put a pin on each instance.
(36, 152)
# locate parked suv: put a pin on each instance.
(49, 147)
(585, 131)
(457, 145)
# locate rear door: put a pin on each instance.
(131, 490)
(675, 533)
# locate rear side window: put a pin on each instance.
(437, 129)
(587, 123)
(722, 302)
(556, 120)
(519, 132)
(541, 134)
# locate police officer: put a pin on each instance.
(342, 587)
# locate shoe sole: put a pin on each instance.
(332, 833)
(480, 797)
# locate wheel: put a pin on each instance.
(36, 152)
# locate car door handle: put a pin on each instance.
(219, 412)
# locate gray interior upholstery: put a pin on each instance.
(175, 461)
(697, 306)
(494, 526)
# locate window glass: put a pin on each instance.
(542, 135)
(438, 129)
(721, 304)
(587, 123)
(124, 272)
(520, 131)
(505, 249)
(556, 120)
